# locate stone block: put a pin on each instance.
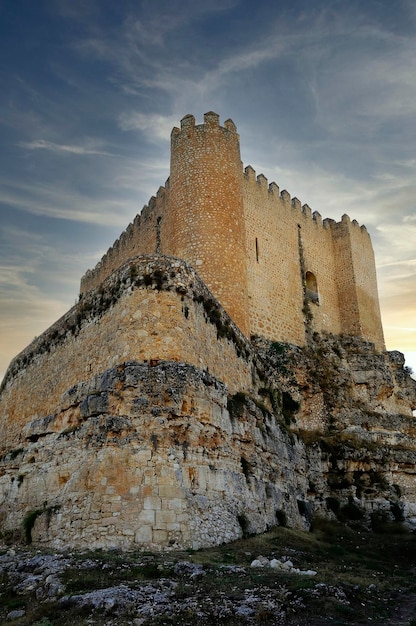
(160, 537)
(144, 535)
(152, 503)
(176, 504)
(164, 517)
(170, 491)
(147, 517)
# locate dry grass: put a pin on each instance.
(373, 571)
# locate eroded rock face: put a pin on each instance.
(355, 417)
(152, 455)
(161, 454)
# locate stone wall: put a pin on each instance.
(206, 209)
(284, 241)
(151, 455)
(160, 453)
(152, 308)
(361, 285)
(142, 236)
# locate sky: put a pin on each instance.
(323, 93)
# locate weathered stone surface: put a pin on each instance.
(161, 454)
(77, 358)
(277, 269)
(177, 471)
(359, 430)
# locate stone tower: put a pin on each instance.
(206, 209)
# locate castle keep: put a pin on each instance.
(262, 254)
(224, 370)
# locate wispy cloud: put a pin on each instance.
(153, 125)
(36, 313)
(324, 99)
(55, 202)
(115, 200)
(42, 144)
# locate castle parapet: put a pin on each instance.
(229, 125)
(306, 210)
(187, 122)
(211, 119)
(328, 222)
(250, 172)
(347, 221)
(133, 241)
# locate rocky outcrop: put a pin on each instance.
(152, 454)
(162, 453)
(353, 409)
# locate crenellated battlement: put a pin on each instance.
(259, 183)
(133, 241)
(211, 123)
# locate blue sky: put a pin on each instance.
(323, 93)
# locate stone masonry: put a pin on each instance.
(223, 371)
(263, 255)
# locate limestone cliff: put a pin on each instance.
(353, 409)
(173, 429)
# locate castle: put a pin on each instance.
(258, 251)
(189, 396)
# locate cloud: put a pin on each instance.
(153, 125)
(363, 79)
(39, 260)
(36, 312)
(46, 200)
(42, 144)
(114, 199)
(243, 61)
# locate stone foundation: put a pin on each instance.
(110, 439)
(156, 457)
